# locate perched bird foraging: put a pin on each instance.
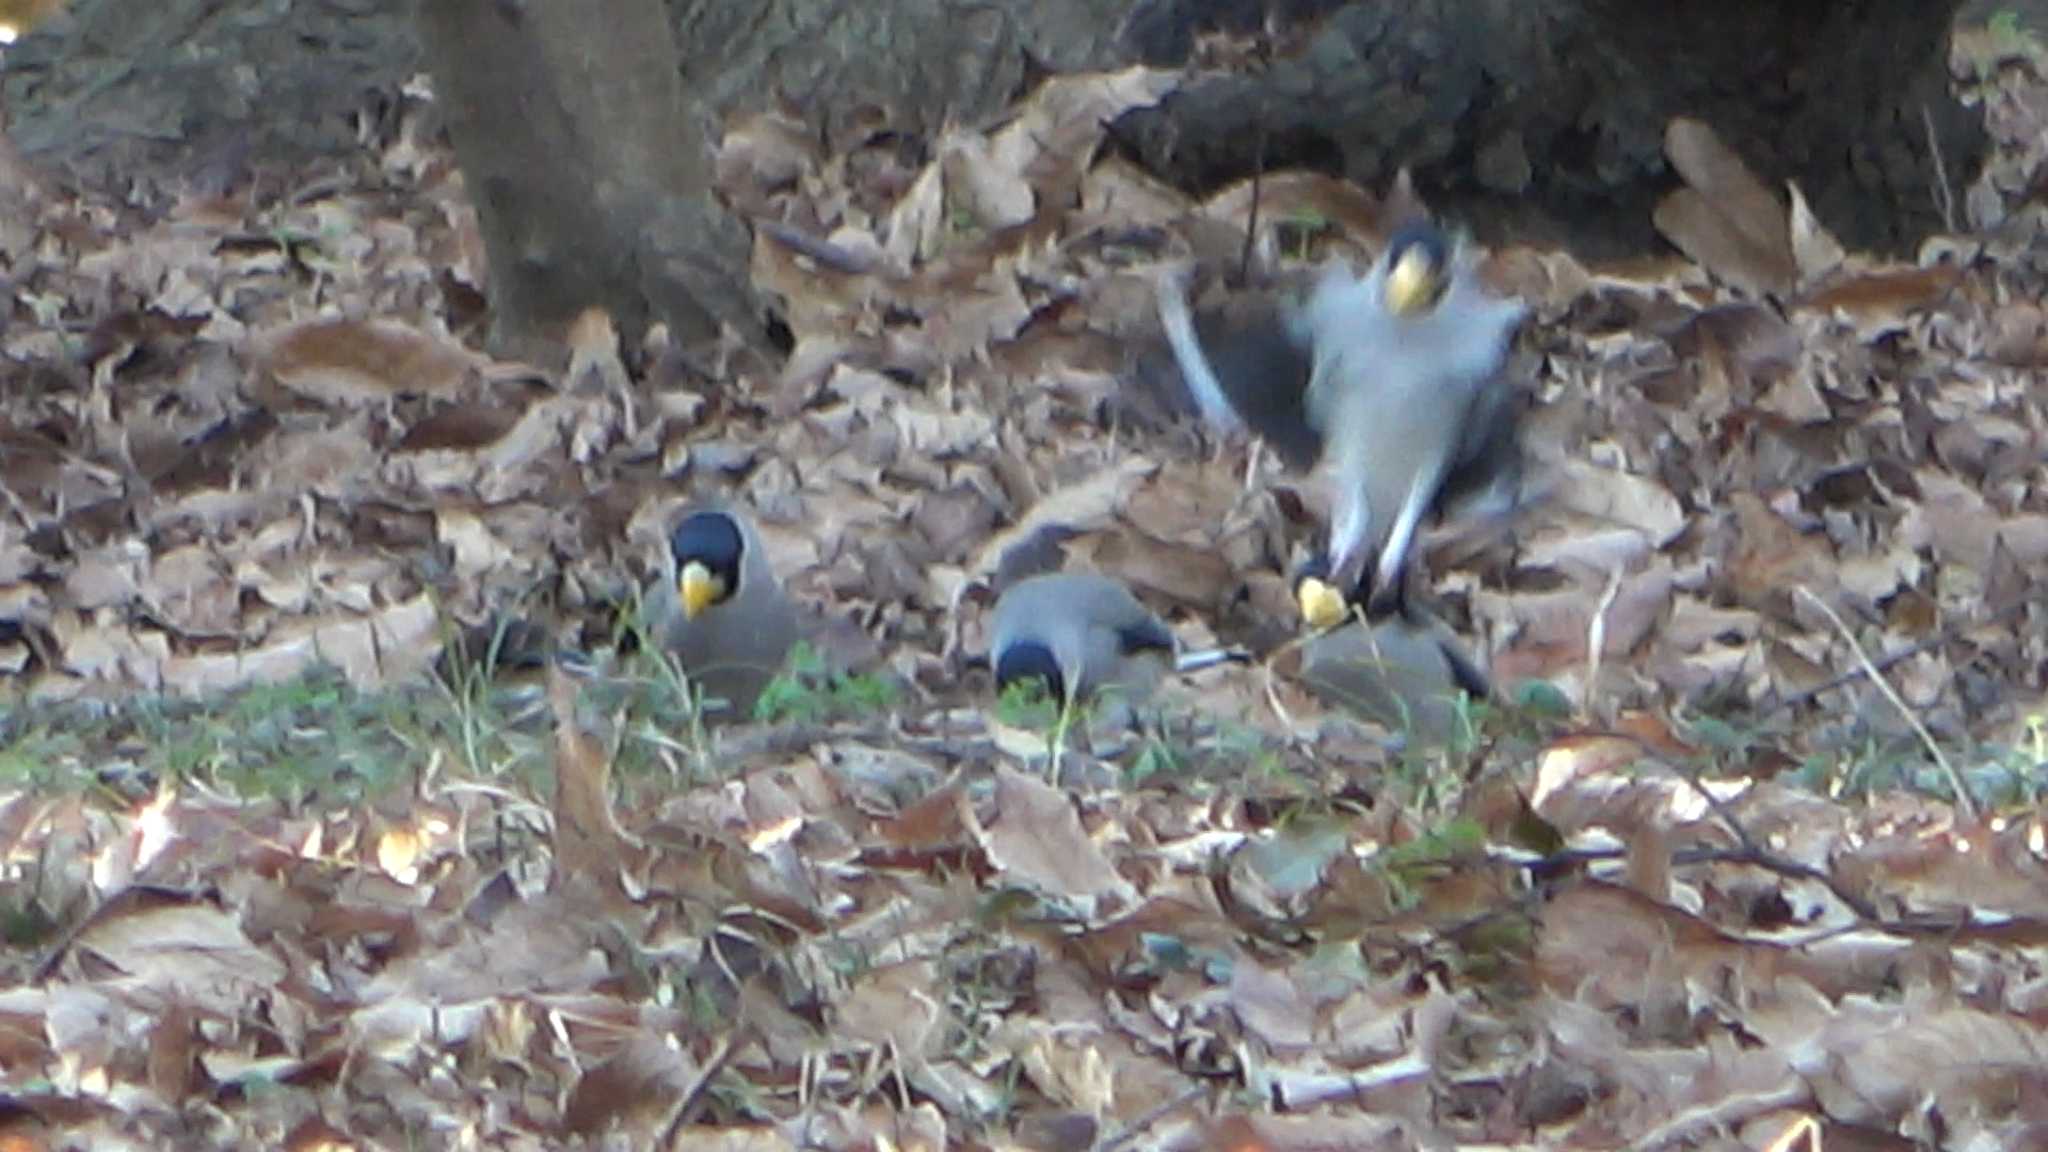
(719, 608)
(1405, 671)
(1084, 635)
(1392, 383)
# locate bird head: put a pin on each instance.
(1322, 606)
(707, 548)
(1322, 602)
(1029, 660)
(1418, 270)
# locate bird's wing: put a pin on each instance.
(1195, 369)
(1244, 370)
(1099, 632)
(1471, 330)
(733, 649)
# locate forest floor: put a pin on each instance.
(1748, 853)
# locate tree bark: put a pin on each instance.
(918, 63)
(200, 91)
(1535, 119)
(1531, 119)
(590, 173)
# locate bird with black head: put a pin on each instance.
(1084, 635)
(1393, 385)
(718, 607)
(1404, 669)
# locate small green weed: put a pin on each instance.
(808, 692)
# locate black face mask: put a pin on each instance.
(1030, 661)
(713, 540)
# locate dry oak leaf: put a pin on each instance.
(1351, 210)
(1814, 249)
(1081, 507)
(1621, 497)
(636, 1086)
(1057, 130)
(391, 642)
(166, 942)
(762, 156)
(1725, 218)
(1036, 839)
(897, 1006)
(364, 361)
(994, 197)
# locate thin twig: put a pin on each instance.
(1751, 850)
(1944, 196)
(1158, 1112)
(1596, 638)
(1866, 913)
(1270, 681)
(1801, 1128)
(1955, 778)
(1941, 636)
(687, 1104)
(1251, 232)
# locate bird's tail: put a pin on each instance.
(1209, 658)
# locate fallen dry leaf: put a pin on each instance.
(344, 361)
(1035, 838)
(1725, 218)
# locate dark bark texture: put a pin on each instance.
(1527, 118)
(201, 89)
(914, 63)
(591, 182)
(1547, 118)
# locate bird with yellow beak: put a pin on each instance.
(1408, 385)
(1417, 270)
(1404, 669)
(1392, 385)
(719, 609)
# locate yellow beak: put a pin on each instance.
(699, 589)
(1322, 606)
(1412, 283)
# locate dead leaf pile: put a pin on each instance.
(787, 958)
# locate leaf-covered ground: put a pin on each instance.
(278, 874)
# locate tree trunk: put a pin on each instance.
(1526, 119)
(589, 172)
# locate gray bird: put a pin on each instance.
(1406, 671)
(1082, 635)
(1393, 382)
(720, 609)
